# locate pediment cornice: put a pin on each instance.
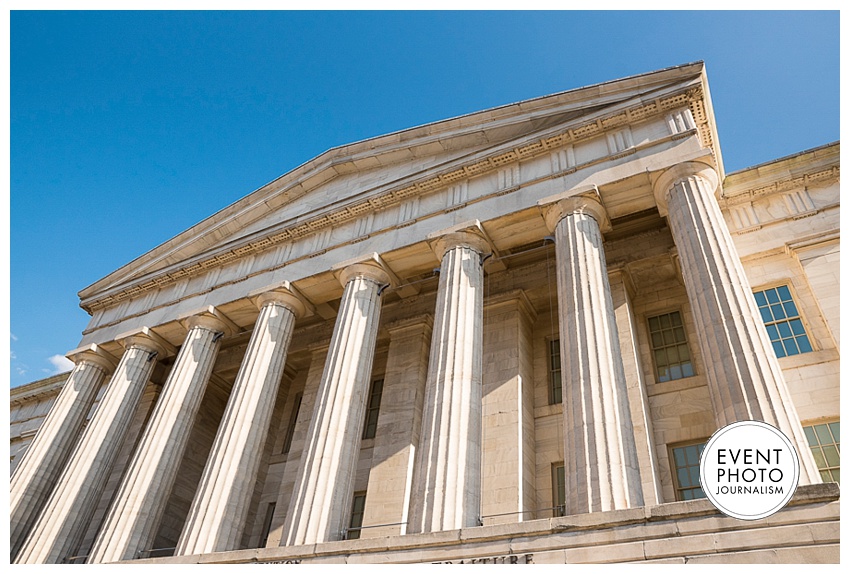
(687, 92)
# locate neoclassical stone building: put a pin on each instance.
(503, 337)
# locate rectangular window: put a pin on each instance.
(372, 409)
(686, 470)
(782, 320)
(670, 347)
(267, 524)
(825, 442)
(555, 382)
(290, 428)
(559, 495)
(357, 507)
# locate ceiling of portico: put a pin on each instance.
(376, 172)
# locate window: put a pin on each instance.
(555, 382)
(782, 320)
(825, 442)
(686, 471)
(356, 522)
(559, 493)
(293, 418)
(267, 524)
(670, 348)
(372, 409)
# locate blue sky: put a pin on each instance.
(127, 127)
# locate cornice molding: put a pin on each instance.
(690, 96)
(812, 178)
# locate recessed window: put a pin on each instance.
(555, 383)
(267, 524)
(686, 471)
(374, 406)
(782, 320)
(290, 428)
(559, 493)
(358, 504)
(825, 442)
(670, 347)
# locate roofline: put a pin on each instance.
(784, 158)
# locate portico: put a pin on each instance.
(454, 266)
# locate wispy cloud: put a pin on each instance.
(12, 354)
(21, 371)
(61, 364)
(12, 335)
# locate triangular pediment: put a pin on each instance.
(364, 174)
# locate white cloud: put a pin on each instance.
(21, 371)
(12, 354)
(61, 364)
(12, 335)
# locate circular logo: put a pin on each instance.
(749, 470)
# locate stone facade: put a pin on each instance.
(492, 339)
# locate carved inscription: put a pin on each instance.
(509, 559)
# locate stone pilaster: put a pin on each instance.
(318, 354)
(38, 471)
(600, 462)
(321, 498)
(61, 525)
(217, 516)
(621, 297)
(447, 475)
(744, 376)
(130, 524)
(399, 424)
(508, 453)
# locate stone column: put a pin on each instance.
(399, 424)
(61, 525)
(600, 460)
(321, 498)
(447, 475)
(130, 524)
(38, 471)
(744, 377)
(217, 516)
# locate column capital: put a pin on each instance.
(209, 317)
(146, 338)
(588, 201)
(95, 355)
(286, 294)
(468, 234)
(679, 172)
(370, 266)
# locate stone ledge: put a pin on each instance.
(690, 531)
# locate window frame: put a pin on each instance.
(646, 323)
(372, 409)
(828, 469)
(352, 515)
(674, 468)
(550, 380)
(558, 506)
(797, 300)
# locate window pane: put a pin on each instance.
(831, 455)
(765, 314)
(761, 300)
(803, 342)
(784, 329)
(819, 458)
(810, 436)
(784, 293)
(790, 309)
(687, 370)
(773, 332)
(836, 431)
(778, 312)
(824, 436)
(772, 297)
(778, 349)
(791, 347)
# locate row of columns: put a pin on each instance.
(601, 472)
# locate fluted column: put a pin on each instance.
(447, 475)
(217, 516)
(39, 469)
(131, 522)
(600, 459)
(321, 498)
(743, 373)
(62, 523)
